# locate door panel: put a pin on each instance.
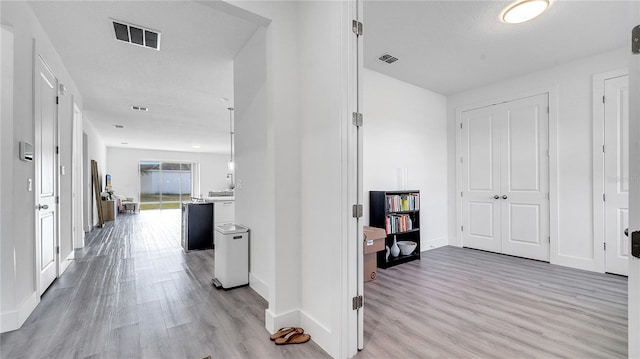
(480, 219)
(46, 175)
(505, 154)
(47, 250)
(481, 153)
(481, 175)
(524, 224)
(523, 165)
(616, 169)
(525, 178)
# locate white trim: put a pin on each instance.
(67, 262)
(13, 320)
(552, 93)
(598, 165)
(321, 334)
(350, 329)
(259, 286)
(433, 244)
(76, 181)
(634, 188)
(274, 322)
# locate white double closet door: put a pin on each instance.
(505, 178)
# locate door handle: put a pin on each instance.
(504, 196)
(626, 232)
(43, 206)
(635, 244)
(496, 197)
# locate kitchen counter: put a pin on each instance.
(219, 199)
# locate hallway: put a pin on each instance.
(133, 293)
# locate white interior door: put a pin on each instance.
(505, 178)
(481, 179)
(525, 177)
(616, 170)
(46, 174)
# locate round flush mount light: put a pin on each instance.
(524, 10)
(195, 146)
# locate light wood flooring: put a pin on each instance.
(464, 303)
(133, 293)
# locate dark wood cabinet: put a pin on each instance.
(398, 212)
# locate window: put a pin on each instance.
(163, 185)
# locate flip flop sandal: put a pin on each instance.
(293, 338)
(284, 331)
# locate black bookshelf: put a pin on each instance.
(381, 207)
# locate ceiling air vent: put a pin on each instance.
(136, 35)
(389, 59)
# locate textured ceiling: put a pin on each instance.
(181, 84)
(452, 46)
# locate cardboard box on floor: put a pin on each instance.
(373, 243)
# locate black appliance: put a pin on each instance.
(197, 226)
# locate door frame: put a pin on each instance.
(552, 93)
(38, 259)
(77, 178)
(634, 187)
(598, 165)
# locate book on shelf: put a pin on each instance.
(397, 223)
(403, 202)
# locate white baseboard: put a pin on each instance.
(575, 262)
(320, 334)
(67, 262)
(13, 320)
(274, 322)
(433, 244)
(261, 287)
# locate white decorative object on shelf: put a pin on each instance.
(395, 250)
(407, 247)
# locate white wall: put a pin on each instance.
(122, 165)
(97, 151)
(7, 155)
(19, 234)
(270, 120)
(326, 143)
(302, 142)
(571, 85)
(254, 177)
(405, 126)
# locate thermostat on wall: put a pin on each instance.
(26, 151)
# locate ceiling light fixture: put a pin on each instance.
(195, 146)
(124, 143)
(524, 10)
(139, 108)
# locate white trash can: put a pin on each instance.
(231, 255)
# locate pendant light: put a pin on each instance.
(231, 164)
